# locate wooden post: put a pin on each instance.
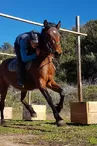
(78, 60)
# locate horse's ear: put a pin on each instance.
(45, 23)
(58, 25)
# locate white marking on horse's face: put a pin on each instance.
(54, 31)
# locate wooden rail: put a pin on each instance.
(7, 54)
(39, 24)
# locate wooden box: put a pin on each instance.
(40, 111)
(84, 112)
(7, 113)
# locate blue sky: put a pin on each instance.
(39, 10)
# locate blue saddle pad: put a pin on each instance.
(12, 65)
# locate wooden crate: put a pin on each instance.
(39, 109)
(84, 112)
(7, 113)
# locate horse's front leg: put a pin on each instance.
(43, 89)
(29, 107)
(55, 87)
(59, 120)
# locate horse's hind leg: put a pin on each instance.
(55, 87)
(2, 103)
(29, 107)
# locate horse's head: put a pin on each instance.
(51, 37)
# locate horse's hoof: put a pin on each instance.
(34, 115)
(60, 123)
(3, 122)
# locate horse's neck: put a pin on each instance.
(49, 58)
(45, 57)
(46, 61)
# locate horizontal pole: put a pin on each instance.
(39, 24)
(7, 54)
(20, 19)
(74, 32)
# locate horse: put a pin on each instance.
(40, 74)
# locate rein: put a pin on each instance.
(44, 65)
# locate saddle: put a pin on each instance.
(13, 65)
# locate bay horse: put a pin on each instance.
(40, 75)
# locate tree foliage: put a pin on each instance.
(66, 65)
(67, 68)
(89, 51)
(6, 48)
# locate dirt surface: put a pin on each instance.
(16, 140)
(28, 139)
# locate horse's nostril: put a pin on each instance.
(57, 54)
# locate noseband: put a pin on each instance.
(49, 47)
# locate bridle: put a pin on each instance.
(50, 43)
